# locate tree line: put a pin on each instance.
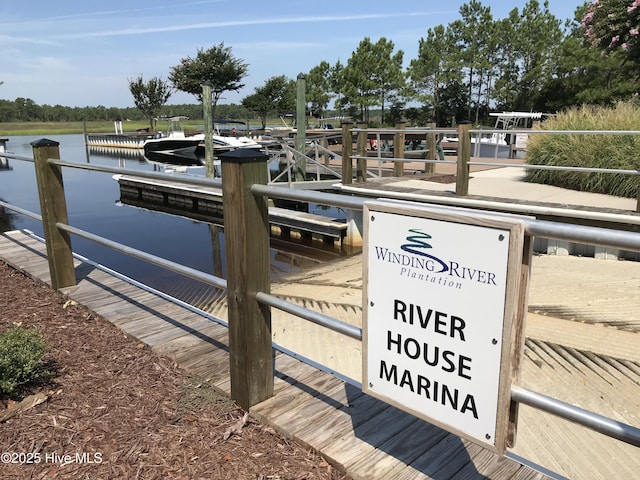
(26, 110)
(529, 60)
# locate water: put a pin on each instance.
(93, 205)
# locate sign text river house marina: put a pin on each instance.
(444, 305)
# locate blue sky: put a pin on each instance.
(77, 53)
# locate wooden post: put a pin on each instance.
(54, 210)
(398, 149)
(347, 151)
(464, 156)
(207, 111)
(85, 135)
(301, 125)
(246, 238)
(432, 154)
(324, 143)
(361, 151)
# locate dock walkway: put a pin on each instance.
(366, 437)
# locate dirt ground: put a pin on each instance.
(114, 409)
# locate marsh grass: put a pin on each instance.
(11, 129)
(63, 128)
(593, 151)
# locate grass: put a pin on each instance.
(592, 151)
(60, 128)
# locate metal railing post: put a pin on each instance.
(347, 151)
(398, 149)
(361, 151)
(53, 207)
(246, 238)
(464, 156)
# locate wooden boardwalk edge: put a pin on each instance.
(361, 435)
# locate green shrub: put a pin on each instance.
(592, 151)
(21, 358)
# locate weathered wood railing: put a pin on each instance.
(463, 162)
(248, 289)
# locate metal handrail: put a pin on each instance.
(147, 257)
(22, 211)
(580, 233)
(619, 430)
(314, 317)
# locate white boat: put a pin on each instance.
(511, 121)
(222, 144)
(501, 143)
(173, 141)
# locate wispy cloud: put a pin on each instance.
(154, 8)
(7, 40)
(238, 23)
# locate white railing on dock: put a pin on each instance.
(125, 141)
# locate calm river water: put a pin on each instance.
(93, 205)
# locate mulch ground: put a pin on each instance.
(114, 409)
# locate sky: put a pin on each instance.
(83, 53)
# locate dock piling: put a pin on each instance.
(53, 207)
(246, 237)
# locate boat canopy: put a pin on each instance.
(510, 120)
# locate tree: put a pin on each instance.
(433, 68)
(278, 94)
(371, 74)
(149, 97)
(614, 25)
(217, 65)
(318, 88)
(538, 36)
(473, 38)
(581, 74)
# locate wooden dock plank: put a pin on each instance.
(404, 447)
(303, 422)
(294, 398)
(484, 463)
(149, 321)
(377, 423)
(445, 458)
(194, 330)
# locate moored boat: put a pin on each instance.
(174, 141)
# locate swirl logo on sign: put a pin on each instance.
(417, 246)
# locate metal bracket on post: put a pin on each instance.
(54, 210)
(246, 236)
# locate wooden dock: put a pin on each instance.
(367, 438)
(205, 204)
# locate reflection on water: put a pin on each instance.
(93, 203)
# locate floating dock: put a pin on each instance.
(205, 204)
(112, 140)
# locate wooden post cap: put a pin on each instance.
(44, 142)
(244, 155)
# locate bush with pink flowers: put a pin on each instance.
(614, 25)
